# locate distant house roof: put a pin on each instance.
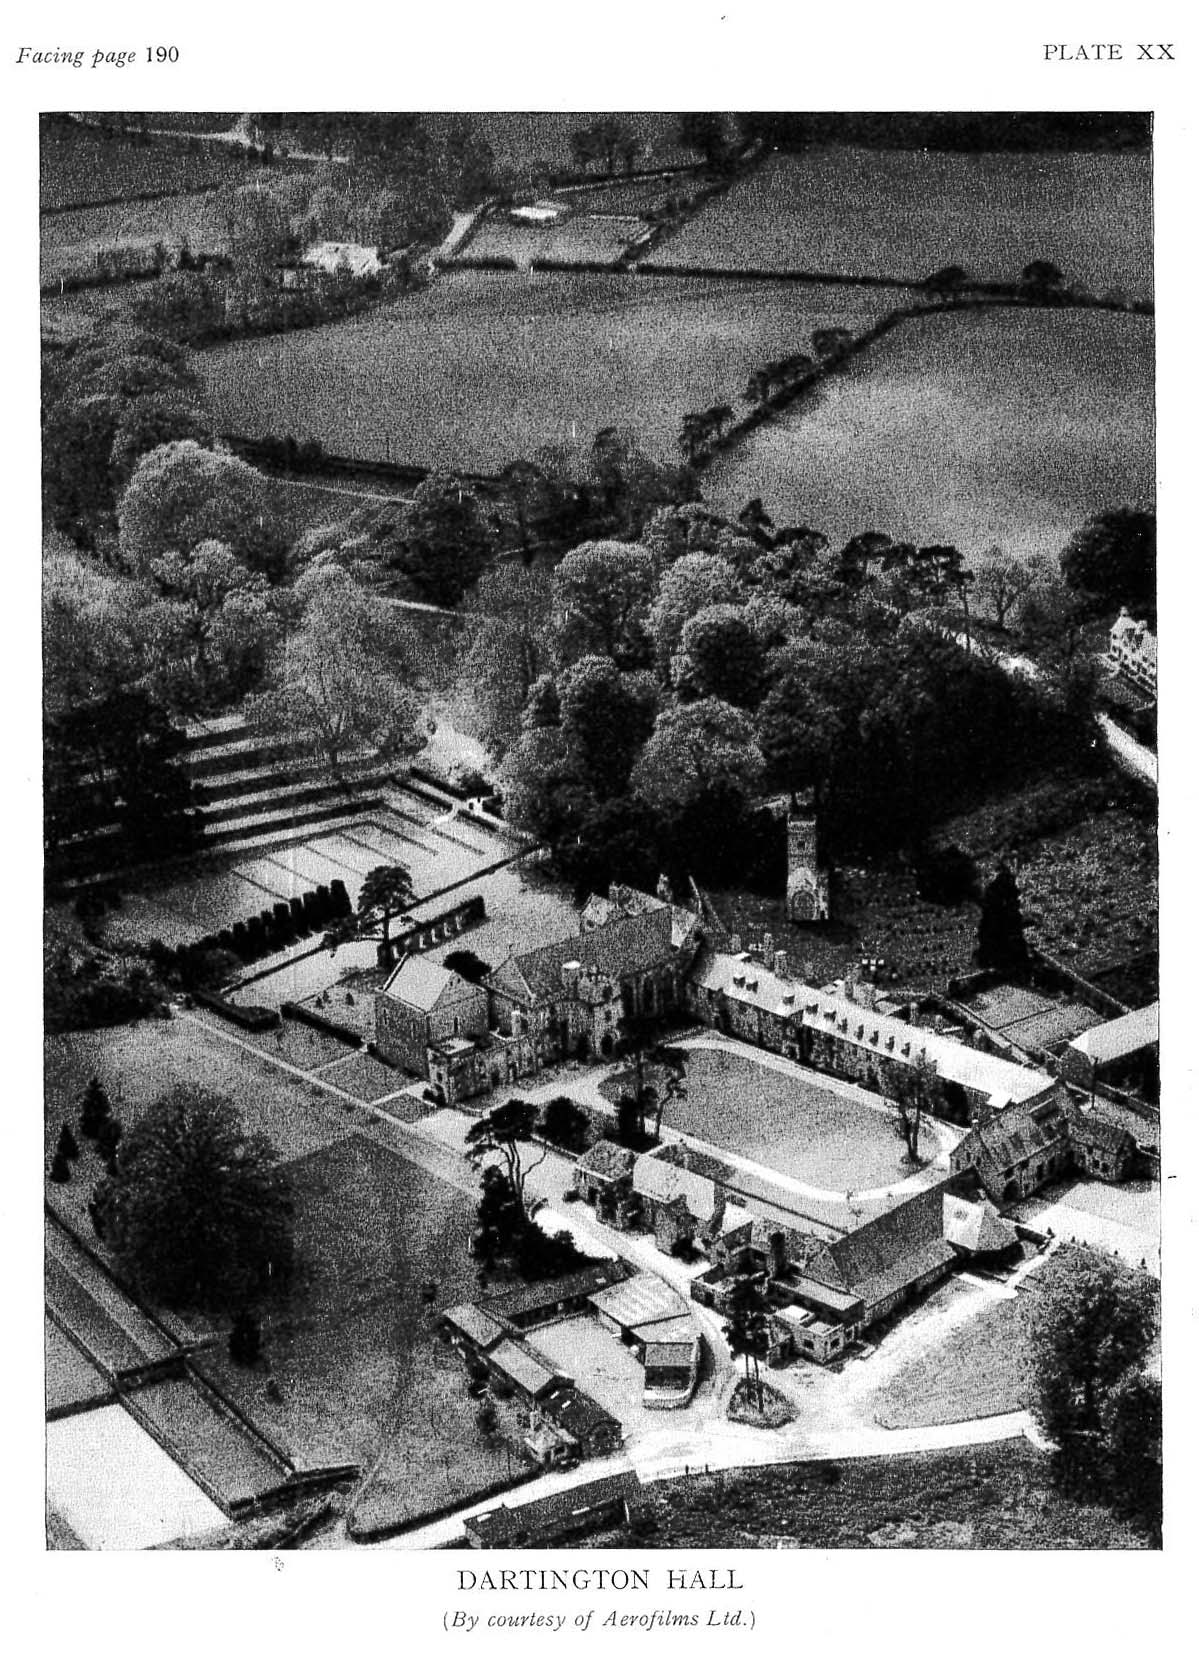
(578, 1414)
(476, 1324)
(975, 1226)
(1124, 1036)
(421, 983)
(642, 1299)
(528, 1371)
(331, 254)
(607, 1159)
(660, 1179)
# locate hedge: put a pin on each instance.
(252, 1017)
(313, 1017)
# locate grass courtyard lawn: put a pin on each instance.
(812, 1133)
(483, 368)
(1001, 426)
(988, 1497)
(975, 1371)
(365, 1077)
(139, 1063)
(850, 210)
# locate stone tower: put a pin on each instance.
(807, 882)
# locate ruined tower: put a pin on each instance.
(807, 882)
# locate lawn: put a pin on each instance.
(810, 1132)
(999, 426)
(139, 1063)
(483, 369)
(853, 211)
(988, 1497)
(975, 1371)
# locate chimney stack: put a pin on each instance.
(780, 963)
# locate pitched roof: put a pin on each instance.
(672, 1354)
(1089, 1127)
(660, 1179)
(739, 979)
(904, 1245)
(504, 1522)
(642, 1299)
(976, 1226)
(526, 1368)
(617, 948)
(607, 1159)
(1124, 1036)
(627, 901)
(1011, 1138)
(532, 1297)
(578, 1414)
(476, 1324)
(421, 983)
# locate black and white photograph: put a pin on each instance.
(599, 679)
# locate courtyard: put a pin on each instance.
(607, 1371)
(827, 1136)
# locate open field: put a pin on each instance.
(138, 1063)
(848, 210)
(523, 139)
(486, 368)
(70, 240)
(582, 237)
(987, 1497)
(808, 1131)
(999, 426)
(975, 1371)
(81, 165)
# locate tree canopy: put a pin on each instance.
(198, 1213)
(1112, 561)
(181, 494)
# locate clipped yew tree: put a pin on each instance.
(198, 1213)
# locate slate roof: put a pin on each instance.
(976, 1226)
(500, 1525)
(672, 1354)
(532, 1297)
(419, 982)
(900, 1247)
(1089, 1127)
(1116, 1038)
(526, 1368)
(1012, 1138)
(624, 945)
(578, 1414)
(478, 1325)
(607, 1159)
(660, 1179)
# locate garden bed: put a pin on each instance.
(769, 1409)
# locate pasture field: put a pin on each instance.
(82, 165)
(996, 426)
(849, 210)
(523, 140)
(486, 368)
(582, 237)
(69, 240)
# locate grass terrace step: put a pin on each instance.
(261, 799)
(280, 821)
(249, 844)
(224, 757)
(260, 777)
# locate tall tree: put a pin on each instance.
(1088, 1323)
(199, 1213)
(181, 494)
(911, 1087)
(693, 581)
(342, 681)
(1002, 582)
(507, 1130)
(95, 1109)
(1112, 561)
(719, 657)
(601, 594)
(745, 1327)
(694, 748)
(385, 892)
(1001, 924)
(446, 543)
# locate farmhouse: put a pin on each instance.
(1132, 650)
(679, 1206)
(605, 1169)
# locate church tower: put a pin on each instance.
(807, 882)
